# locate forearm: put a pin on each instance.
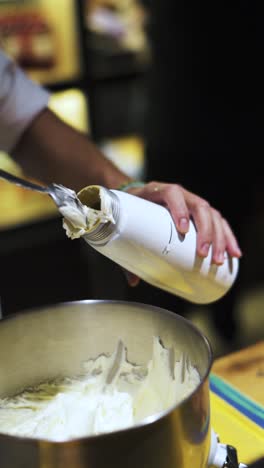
(51, 151)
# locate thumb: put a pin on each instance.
(132, 279)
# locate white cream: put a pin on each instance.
(113, 394)
(78, 220)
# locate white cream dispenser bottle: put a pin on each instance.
(140, 236)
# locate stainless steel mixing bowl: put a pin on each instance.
(54, 341)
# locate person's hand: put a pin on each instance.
(212, 229)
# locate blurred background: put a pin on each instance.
(169, 91)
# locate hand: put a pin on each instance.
(212, 229)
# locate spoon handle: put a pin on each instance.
(22, 182)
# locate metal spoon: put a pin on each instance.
(61, 195)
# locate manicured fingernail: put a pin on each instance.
(184, 224)
(205, 248)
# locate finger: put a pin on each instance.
(202, 216)
(172, 197)
(132, 279)
(175, 202)
(232, 246)
(219, 238)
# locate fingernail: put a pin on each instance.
(132, 279)
(184, 224)
(219, 258)
(133, 282)
(239, 252)
(205, 248)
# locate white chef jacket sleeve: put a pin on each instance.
(20, 101)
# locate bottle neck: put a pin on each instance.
(102, 232)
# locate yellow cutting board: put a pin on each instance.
(244, 371)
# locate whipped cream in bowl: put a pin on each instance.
(110, 395)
